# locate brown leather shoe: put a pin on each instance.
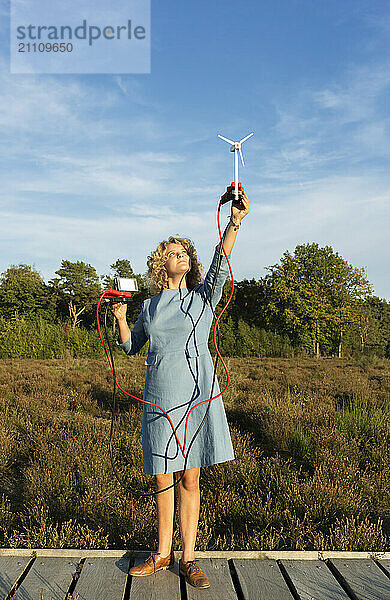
(194, 574)
(152, 564)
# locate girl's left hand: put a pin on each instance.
(237, 214)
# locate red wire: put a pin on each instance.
(116, 381)
(215, 344)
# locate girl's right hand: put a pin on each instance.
(119, 310)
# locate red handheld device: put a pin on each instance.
(118, 295)
(229, 196)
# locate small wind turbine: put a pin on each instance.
(236, 148)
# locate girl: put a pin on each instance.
(177, 321)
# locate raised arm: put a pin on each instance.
(236, 216)
(229, 238)
(223, 272)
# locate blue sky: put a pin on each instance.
(100, 167)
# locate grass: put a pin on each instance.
(312, 467)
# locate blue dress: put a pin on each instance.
(179, 375)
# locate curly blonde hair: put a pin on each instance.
(157, 275)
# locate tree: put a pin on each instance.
(122, 268)
(77, 290)
(313, 295)
(374, 325)
(248, 301)
(22, 290)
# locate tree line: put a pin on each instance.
(312, 302)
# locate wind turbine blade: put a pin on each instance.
(226, 139)
(245, 138)
(242, 158)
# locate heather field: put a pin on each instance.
(311, 439)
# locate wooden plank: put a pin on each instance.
(312, 579)
(271, 554)
(102, 579)
(261, 579)
(11, 567)
(221, 584)
(52, 575)
(364, 578)
(385, 563)
(163, 585)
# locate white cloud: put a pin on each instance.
(311, 179)
(46, 240)
(135, 91)
(349, 213)
(341, 127)
(355, 99)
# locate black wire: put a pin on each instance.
(217, 356)
(113, 407)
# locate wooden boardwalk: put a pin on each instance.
(258, 575)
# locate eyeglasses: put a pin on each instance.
(172, 253)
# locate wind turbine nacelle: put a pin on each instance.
(236, 148)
